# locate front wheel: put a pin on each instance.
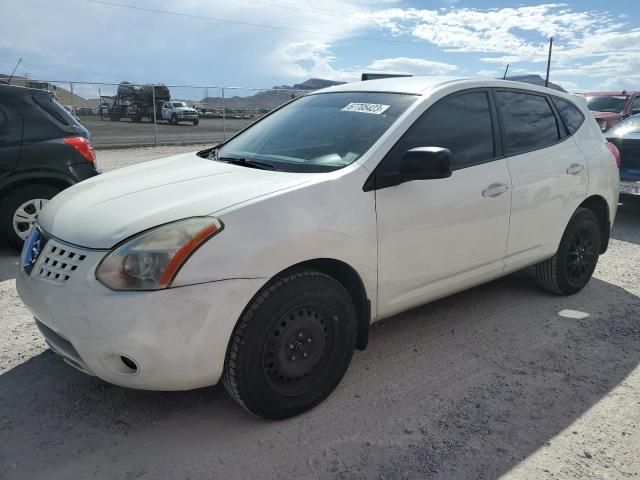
(20, 209)
(291, 346)
(571, 268)
(195, 122)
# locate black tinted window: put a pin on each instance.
(461, 123)
(570, 114)
(53, 108)
(527, 121)
(10, 123)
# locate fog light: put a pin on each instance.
(129, 363)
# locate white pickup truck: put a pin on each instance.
(174, 112)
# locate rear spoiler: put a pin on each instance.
(377, 76)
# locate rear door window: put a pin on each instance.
(528, 122)
(570, 114)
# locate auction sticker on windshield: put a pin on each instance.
(374, 108)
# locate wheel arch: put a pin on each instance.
(51, 181)
(351, 281)
(599, 206)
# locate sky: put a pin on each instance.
(220, 42)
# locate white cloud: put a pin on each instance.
(416, 66)
(591, 46)
(489, 73)
(589, 42)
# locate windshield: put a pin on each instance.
(607, 103)
(318, 133)
(179, 104)
(630, 125)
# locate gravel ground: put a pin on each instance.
(126, 133)
(503, 380)
(112, 159)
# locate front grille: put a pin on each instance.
(58, 262)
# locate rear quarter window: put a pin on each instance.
(53, 108)
(571, 115)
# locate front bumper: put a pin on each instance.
(176, 338)
(187, 116)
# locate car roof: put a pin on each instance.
(19, 90)
(423, 84)
(619, 92)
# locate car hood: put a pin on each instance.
(605, 115)
(106, 209)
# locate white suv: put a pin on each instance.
(263, 262)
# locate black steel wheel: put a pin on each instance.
(583, 253)
(292, 345)
(296, 347)
(571, 268)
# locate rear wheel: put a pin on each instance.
(20, 210)
(571, 268)
(292, 345)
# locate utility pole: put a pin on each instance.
(546, 81)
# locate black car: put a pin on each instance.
(626, 136)
(43, 150)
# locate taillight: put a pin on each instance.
(83, 146)
(616, 153)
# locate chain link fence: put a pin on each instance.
(132, 114)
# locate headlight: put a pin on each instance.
(151, 260)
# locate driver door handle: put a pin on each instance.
(575, 169)
(495, 190)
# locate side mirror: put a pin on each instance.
(424, 163)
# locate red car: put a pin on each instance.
(610, 108)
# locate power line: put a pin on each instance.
(249, 24)
(300, 8)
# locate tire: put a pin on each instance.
(571, 268)
(291, 346)
(30, 199)
(196, 122)
(174, 119)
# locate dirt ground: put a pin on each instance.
(503, 380)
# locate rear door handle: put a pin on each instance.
(495, 190)
(575, 169)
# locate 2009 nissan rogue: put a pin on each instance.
(262, 262)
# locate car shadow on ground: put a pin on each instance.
(466, 387)
(627, 224)
(9, 260)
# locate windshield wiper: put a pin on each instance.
(245, 163)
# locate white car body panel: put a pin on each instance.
(543, 198)
(409, 243)
(113, 206)
(423, 260)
